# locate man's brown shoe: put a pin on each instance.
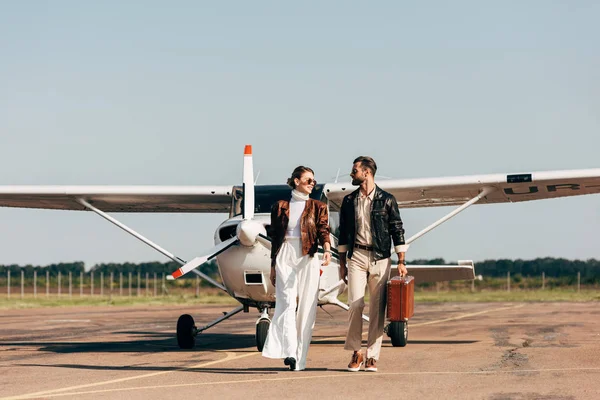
(356, 362)
(371, 365)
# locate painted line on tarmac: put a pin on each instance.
(466, 315)
(438, 321)
(229, 356)
(339, 375)
(62, 321)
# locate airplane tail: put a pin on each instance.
(248, 184)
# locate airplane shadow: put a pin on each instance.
(162, 343)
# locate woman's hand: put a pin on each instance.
(326, 258)
(273, 276)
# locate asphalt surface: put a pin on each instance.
(461, 351)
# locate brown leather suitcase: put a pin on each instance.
(400, 298)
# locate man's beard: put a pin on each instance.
(357, 181)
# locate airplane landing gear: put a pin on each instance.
(186, 332)
(262, 329)
(398, 332)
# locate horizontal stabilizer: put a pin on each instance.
(464, 270)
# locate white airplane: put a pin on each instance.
(242, 243)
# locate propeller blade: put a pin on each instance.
(198, 261)
(248, 182)
(264, 240)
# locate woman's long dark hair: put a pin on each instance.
(297, 174)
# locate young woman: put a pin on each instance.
(298, 227)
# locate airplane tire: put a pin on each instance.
(262, 330)
(186, 338)
(398, 332)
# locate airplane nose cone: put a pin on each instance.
(248, 230)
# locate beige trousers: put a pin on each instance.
(363, 270)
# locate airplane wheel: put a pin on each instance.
(398, 332)
(186, 332)
(262, 330)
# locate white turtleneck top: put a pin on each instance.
(297, 203)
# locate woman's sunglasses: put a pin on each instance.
(310, 181)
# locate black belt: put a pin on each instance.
(360, 246)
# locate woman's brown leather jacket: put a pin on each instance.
(314, 226)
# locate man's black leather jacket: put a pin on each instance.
(386, 224)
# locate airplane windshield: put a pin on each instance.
(266, 195)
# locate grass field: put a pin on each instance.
(213, 296)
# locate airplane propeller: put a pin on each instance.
(248, 232)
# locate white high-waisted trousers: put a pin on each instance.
(297, 276)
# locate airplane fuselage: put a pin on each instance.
(245, 270)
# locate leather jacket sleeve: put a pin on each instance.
(343, 239)
(323, 225)
(396, 228)
(275, 233)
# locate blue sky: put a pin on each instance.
(134, 92)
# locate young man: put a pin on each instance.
(369, 221)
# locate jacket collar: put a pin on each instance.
(378, 193)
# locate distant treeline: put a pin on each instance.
(75, 268)
(561, 268)
(551, 267)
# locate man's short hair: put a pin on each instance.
(368, 163)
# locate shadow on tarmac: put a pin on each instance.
(227, 371)
(162, 343)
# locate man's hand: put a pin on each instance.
(273, 276)
(402, 269)
(326, 258)
(344, 272)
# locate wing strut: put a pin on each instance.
(223, 318)
(147, 241)
(486, 190)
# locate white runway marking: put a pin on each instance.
(232, 356)
(438, 321)
(339, 375)
(466, 315)
(55, 392)
(62, 321)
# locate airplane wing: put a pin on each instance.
(435, 192)
(164, 199)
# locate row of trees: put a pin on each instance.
(558, 271)
(137, 271)
(551, 267)
(75, 268)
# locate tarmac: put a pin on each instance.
(455, 351)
